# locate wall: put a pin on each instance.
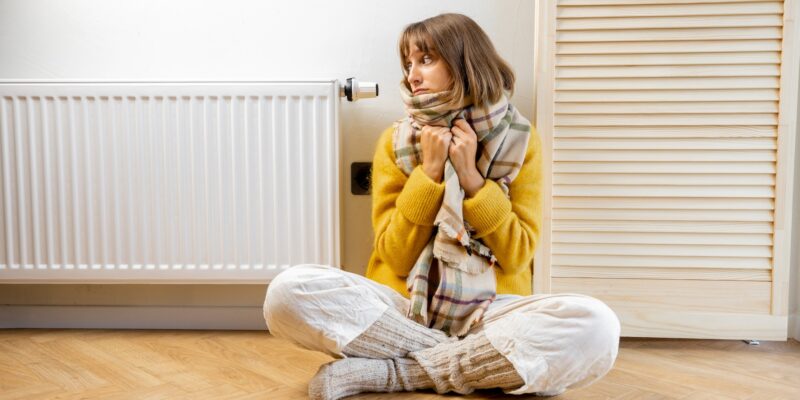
(241, 40)
(794, 291)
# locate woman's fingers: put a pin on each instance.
(464, 126)
(464, 130)
(446, 134)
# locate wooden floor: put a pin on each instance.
(116, 364)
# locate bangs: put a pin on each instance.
(415, 35)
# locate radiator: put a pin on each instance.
(174, 182)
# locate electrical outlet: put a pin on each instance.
(360, 178)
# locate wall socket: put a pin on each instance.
(361, 178)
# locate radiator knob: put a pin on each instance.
(355, 90)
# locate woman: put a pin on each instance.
(443, 197)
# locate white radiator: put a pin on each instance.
(178, 182)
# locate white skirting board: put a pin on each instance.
(133, 317)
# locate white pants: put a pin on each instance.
(554, 341)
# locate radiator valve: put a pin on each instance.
(355, 90)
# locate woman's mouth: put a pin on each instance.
(418, 91)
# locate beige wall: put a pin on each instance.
(794, 292)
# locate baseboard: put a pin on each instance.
(132, 317)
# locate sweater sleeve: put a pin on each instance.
(511, 228)
(403, 208)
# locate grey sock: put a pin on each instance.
(411, 375)
(393, 335)
(349, 376)
(472, 363)
(461, 367)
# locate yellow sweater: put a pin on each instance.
(404, 208)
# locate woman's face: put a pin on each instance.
(427, 72)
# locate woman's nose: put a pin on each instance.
(414, 77)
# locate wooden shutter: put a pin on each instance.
(669, 133)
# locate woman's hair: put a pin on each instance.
(477, 70)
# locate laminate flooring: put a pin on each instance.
(184, 364)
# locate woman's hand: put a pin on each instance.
(463, 152)
(435, 141)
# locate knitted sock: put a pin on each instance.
(472, 363)
(349, 376)
(394, 335)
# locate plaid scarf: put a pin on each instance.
(452, 282)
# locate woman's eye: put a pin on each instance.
(426, 58)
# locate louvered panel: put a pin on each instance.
(666, 131)
(663, 238)
(665, 155)
(635, 96)
(710, 261)
(662, 226)
(641, 2)
(710, 274)
(640, 35)
(657, 71)
(663, 191)
(656, 47)
(655, 214)
(737, 107)
(664, 120)
(669, 143)
(708, 203)
(719, 21)
(696, 96)
(647, 81)
(664, 179)
(682, 250)
(650, 10)
(670, 83)
(665, 167)
(659, 107)
(740, 58)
